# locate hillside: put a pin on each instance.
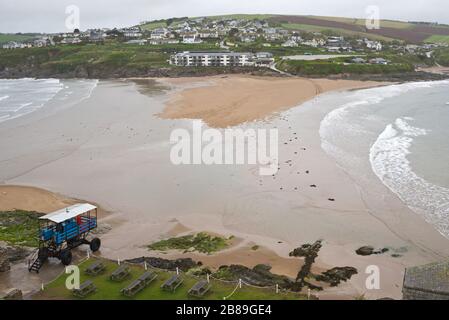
(393, 30)
(410, 32)
(6, 37)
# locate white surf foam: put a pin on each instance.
(388, 157)
(368, 97)
(25, 96)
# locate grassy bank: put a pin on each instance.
(442, 57)
(333, 67)
(19, 227)
(110, 290)
(7, 37)
(88, 60)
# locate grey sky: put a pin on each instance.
(50, 16)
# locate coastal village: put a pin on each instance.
(228, 35)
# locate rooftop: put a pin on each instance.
(432, 277)
(200, 54)
(69, 212)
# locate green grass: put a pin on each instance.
(438, 39)
(335, 66)
(19, 227)
(153, 25)
(201, 242)
(241, 16)
(110, 290)
(61, 59)
(112, 55)
(442, 57)
(339, 31)
(7, 37)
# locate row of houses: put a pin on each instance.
(222, 59)
(39, 42)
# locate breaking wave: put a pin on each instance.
(388, 157)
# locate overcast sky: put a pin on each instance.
(50, 15)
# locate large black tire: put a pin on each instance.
(66, 257)
(95, 244)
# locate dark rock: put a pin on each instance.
(260, 275)
(365, 251)
(309, 252)
(13, 294)
(368, 250)
(336, 275)
(183, 264)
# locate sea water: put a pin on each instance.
(401, 133)
(19, 97)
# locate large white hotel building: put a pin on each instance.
(214, 59)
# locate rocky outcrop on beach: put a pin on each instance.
(13, 253)
(336, 275)
(369, 250)
(184, 264)
(260, 275)
(305, 275)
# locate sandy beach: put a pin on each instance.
(113, 149)
(232, 100)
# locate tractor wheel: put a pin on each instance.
(43, 254)
(66, 257)
(95, 244)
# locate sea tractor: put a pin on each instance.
(63, 230)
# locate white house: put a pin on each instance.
(290, 43)
(131, 33)
(191, 39)
(140, 42)
(373, 45)
(314, 43)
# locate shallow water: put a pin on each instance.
(19, 97)
(401, 133)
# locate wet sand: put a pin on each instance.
(233, 100)
(113, 149)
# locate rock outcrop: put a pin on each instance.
(4, 260)
(184, 264)
(13, 294)
(336, 275)
(369, 250)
